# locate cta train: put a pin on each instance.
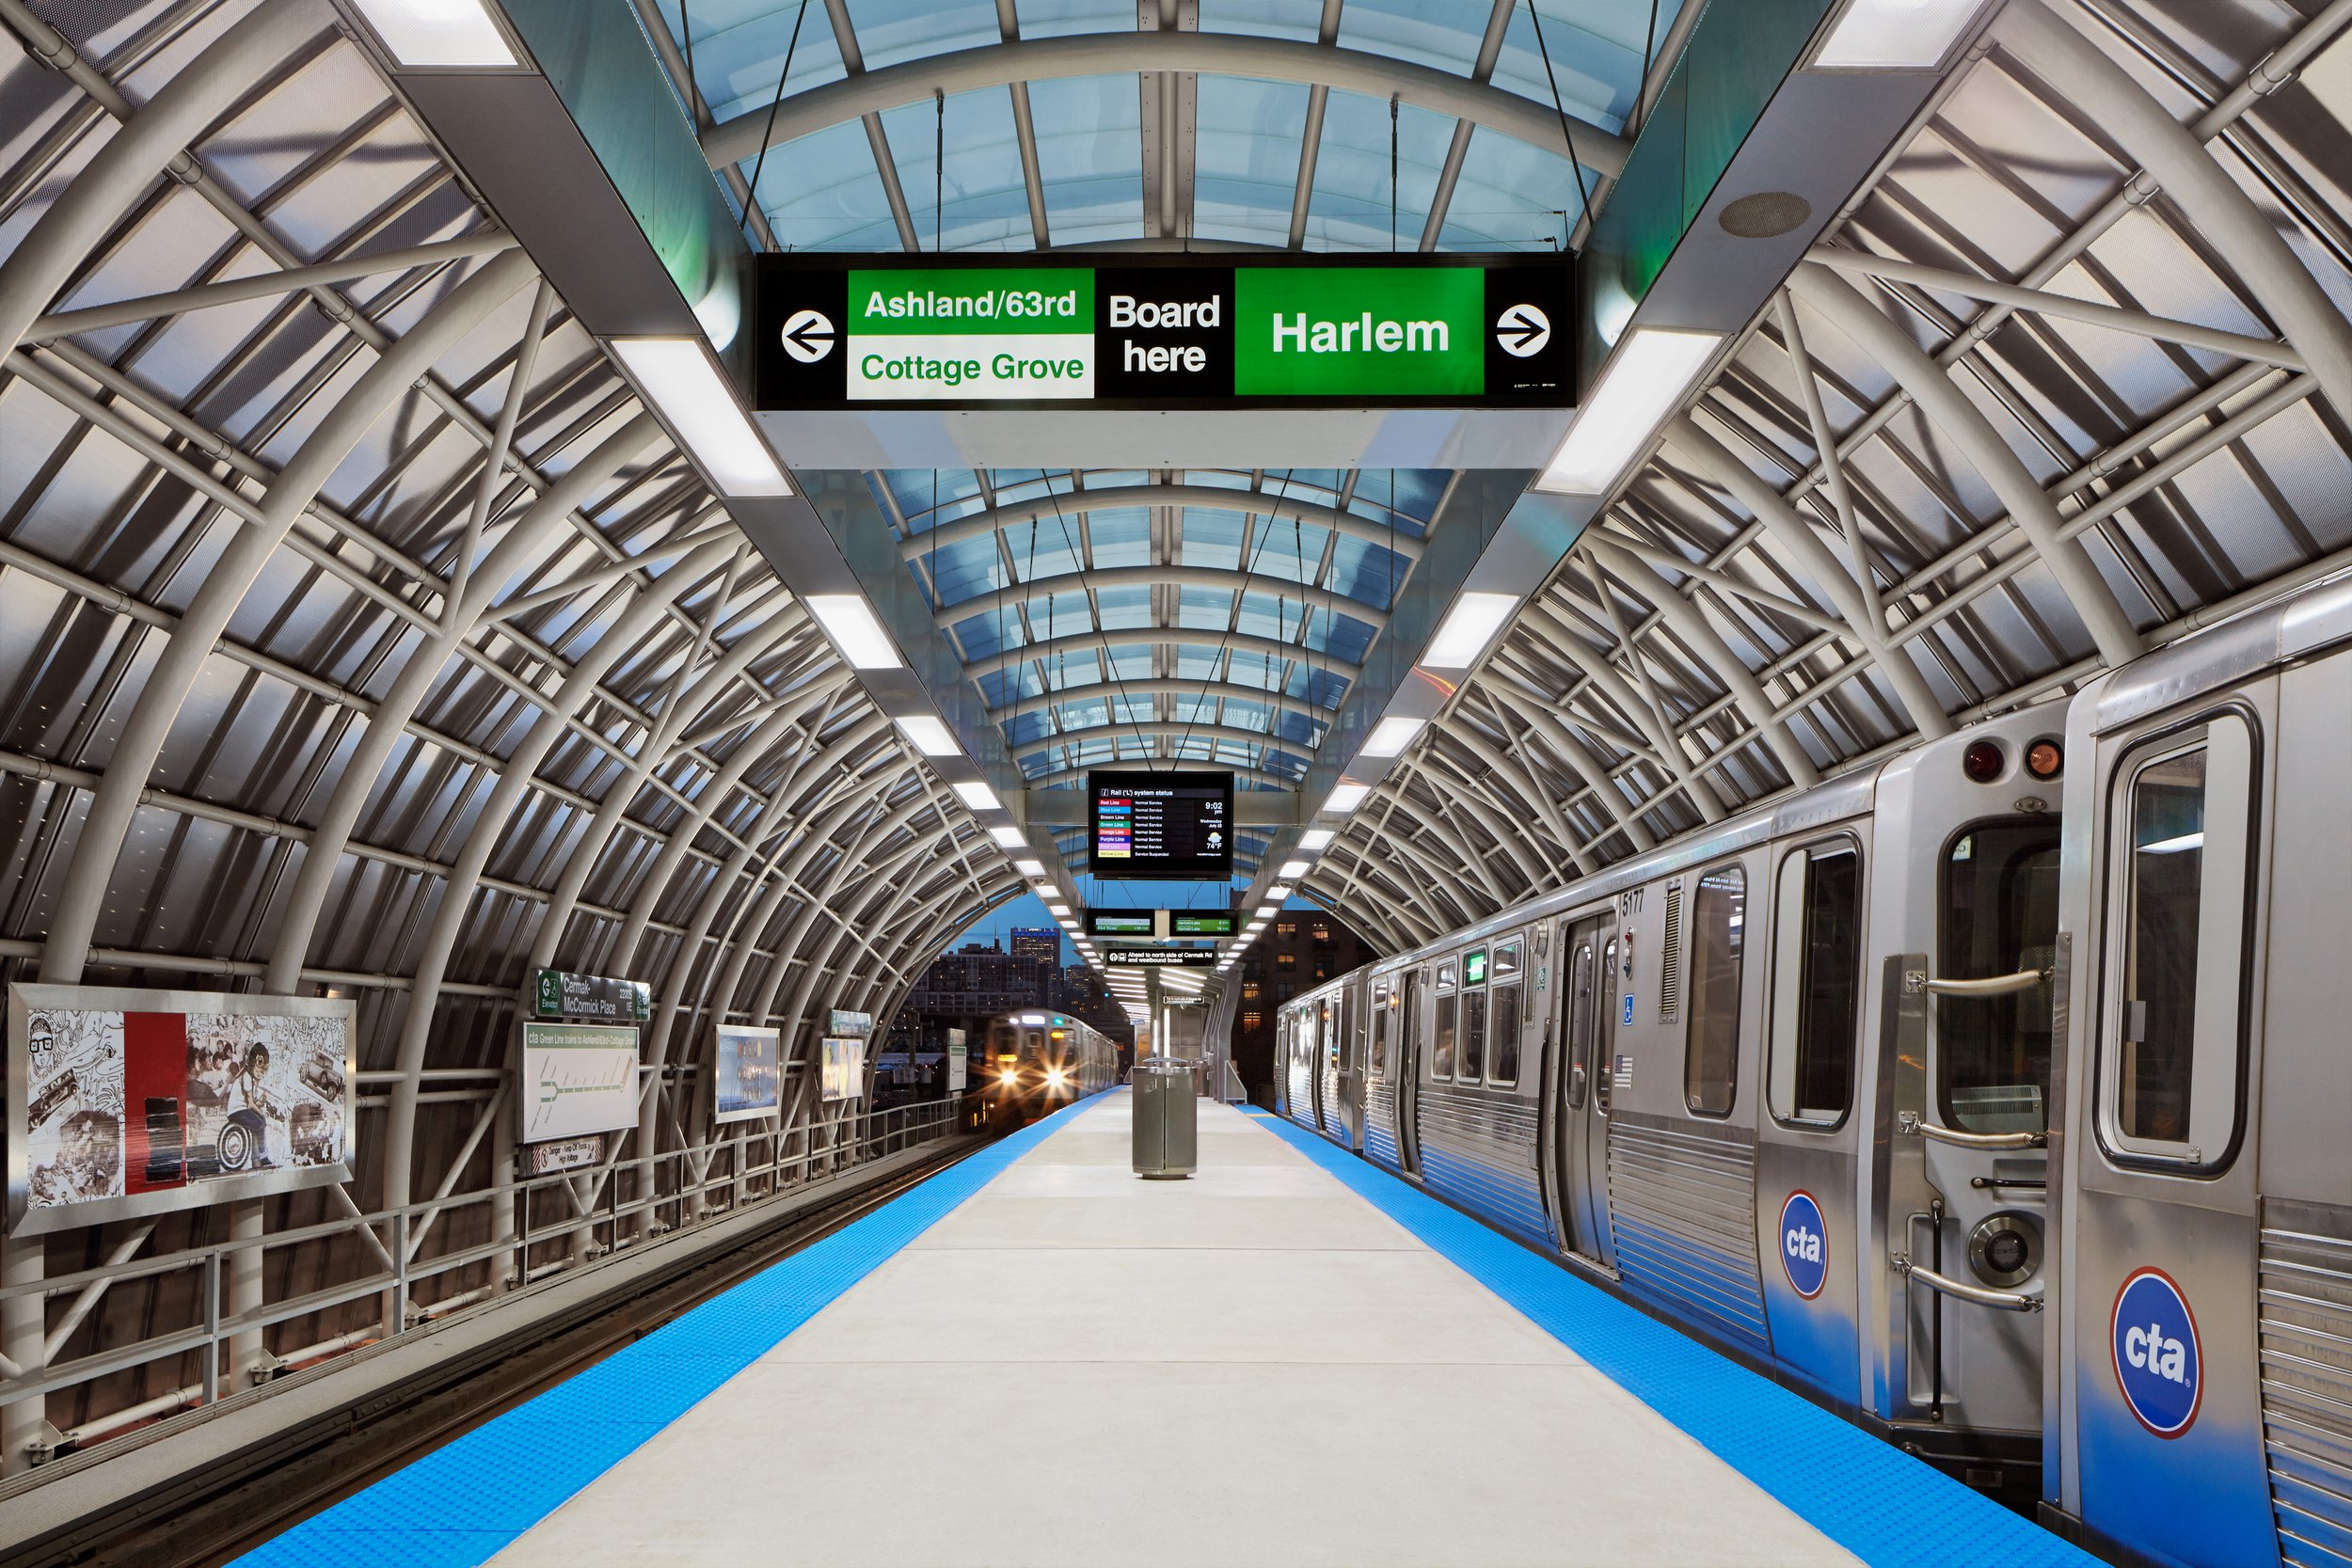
(1991, 1094)
(1037, 1062)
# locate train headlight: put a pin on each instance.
(1007, 1076)
(2044, 758)
(1056, 1078)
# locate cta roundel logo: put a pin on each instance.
(1804, 1244)
(2159, 1364)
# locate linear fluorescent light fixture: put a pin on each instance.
(1295, 869)
(849, 620)
(1894, 35)
(1263, 911)
(1461, 637)
(429, 34)
(1057, 909)
(1007, 838)
(930, 736)
(1389, 736)
(1346, 798)
(1645, 382)
(1029, 868)
(1278, 892)
(678, 377)
(978, 796)
(1313, 839)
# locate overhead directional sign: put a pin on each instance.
(1164, 332)
(1161, 924)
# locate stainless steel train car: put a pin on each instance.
(1994, 1094)
(1035, 1062)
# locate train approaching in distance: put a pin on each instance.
(1037, 1062)
(1995, 1095)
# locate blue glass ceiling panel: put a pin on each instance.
(1349, 209)
(1414, 30)
(821, 193)
(1245, 158)
(985, 205)
(1508, 196)
(1089, 154)
(889, 31)
(1595, 50)
(1282, 19)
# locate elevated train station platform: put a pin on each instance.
(1034, 1358)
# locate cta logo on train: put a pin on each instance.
(1840, 1036)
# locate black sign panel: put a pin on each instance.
(1158, 957)
(1310, 331)
(1161, 923)
(1122, 922)
(1165, 827)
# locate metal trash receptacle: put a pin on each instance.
(1167, 1118)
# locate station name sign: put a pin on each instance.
(1164, 332)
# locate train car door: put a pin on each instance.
(1806, 1141)
(1578, 1111)
(2196, 1324)
(1413, 1031)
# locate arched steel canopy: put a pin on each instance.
(365, 634)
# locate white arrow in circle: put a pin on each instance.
(1524, 330)
(809, 336)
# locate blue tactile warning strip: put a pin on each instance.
(1879, 1503)
(463, 1503)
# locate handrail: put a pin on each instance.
(1991, 985)
(673, 1189)
(2000, 1301)
(1911, 1124)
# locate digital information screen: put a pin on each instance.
(1175, 332)
(1165, 827)
(1160, 922)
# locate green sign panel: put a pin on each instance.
(557, 995)
(1159, 332)
(1183, 924)
(1474, 967)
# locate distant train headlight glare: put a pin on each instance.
(1007, 1076)
(1056, 1078)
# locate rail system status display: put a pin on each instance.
(1160, 924)
(1173, 332)
(1168, 827)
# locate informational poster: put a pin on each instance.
(958, 1061)
(1165, 332)
(846, 1023)
(577, 1078)
(844, 1073)
(129, 1102)
(749, 1078)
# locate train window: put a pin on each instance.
(1816, 983)
(1378, 1066)
(1581, 997)
(2000, 917)
(1711, 1041)
(1504, 1068)
(1445, 977)
(1442, 1048)
(1471, 1060)
(1507, 962)
(2175, 1024)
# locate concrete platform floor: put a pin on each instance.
(1251, 1367)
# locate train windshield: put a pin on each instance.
(2000, 916)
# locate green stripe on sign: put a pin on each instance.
(1341, 332)
(927, 301)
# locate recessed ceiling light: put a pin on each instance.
(1644, 382)
(850, 620)
(1007, 838)
(1346, 798)
(1029, 868)
(1292, 869)
(930, 736)
(1315, 838)
(978, 796)
(1894, 35)
(1462, 636)
(678, 377)
(430, 34)
(1389, 736)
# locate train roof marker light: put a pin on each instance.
(1460, 640)
(849, 620)
(1346, 798)
(928, 734)
(1007, 838)
(1647, 380)
(679, 378)
(1894, 35)
(1389, 736)
(439, 34)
